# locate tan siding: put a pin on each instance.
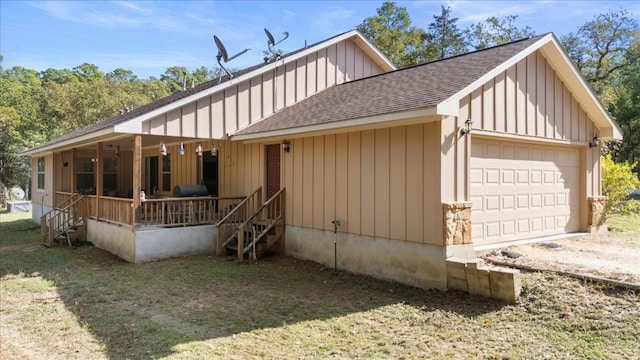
(188, 124)
(558, 130)
(541, 107)
(353, 186)
(203, 118)
(307, 182)
(298, 186)
(367, 187)
(341, 63)
(432, 183)
(231, 109)
(312, 74)
(476, 107)
(329, 193)
(256, 99)
(550, 102)
(499, 96)
(173, 122)
(279, 88)
(287, 182)
(301, 79)
(414, 181)
(397, 183)
(332, 62)
(521, 97)
(157, 125)
(488, 107)
(218, 127)
(531, 95)
(267, 94)
(382, 187)
(290, 84)
(511, 101)
(321, 70)
(318, 186)
(243, 104)
(342, 180)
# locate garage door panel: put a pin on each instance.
(521, 190)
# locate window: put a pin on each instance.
(85, 178)
(166, 172)
(41, 173)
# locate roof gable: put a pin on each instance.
(131, 121)
(439, 85)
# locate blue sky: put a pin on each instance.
(147, 37)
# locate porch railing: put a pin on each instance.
(66, 217)
(228, 225)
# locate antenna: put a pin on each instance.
(223, 55)
(273, 54)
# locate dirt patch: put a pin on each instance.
(613, 256)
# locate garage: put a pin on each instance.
(523, 190)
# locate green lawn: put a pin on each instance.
(85, 303)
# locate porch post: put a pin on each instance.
(137, 174)
(72, 164)
(99, 176)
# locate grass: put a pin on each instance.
(86, 303)
(624, 223)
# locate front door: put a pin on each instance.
(273, 169)
(210, 172)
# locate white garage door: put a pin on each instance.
(521, 191)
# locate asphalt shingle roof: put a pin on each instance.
(400, 90)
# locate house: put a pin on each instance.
(417, 165)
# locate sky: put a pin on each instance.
(147, 37)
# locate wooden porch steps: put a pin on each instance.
(269, 239)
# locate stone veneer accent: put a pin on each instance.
(457, 223)
(597, 216)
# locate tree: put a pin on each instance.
(604, 47)
(495, 31)
(391, 32)
(443, 35)
(618, 180)
(627, 113)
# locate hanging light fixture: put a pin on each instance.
(117, 152)
(199, 150)
(214, 150)
(181, 149)
(163, 149)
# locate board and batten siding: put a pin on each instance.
(244, 103)
(382, 183)
(529, 101)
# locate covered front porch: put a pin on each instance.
(145, 197)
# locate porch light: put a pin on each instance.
(181, 149)
(285, 146)
(199, 150)
(467, 127)
(163, 149)
(214, 150)
(595, 142)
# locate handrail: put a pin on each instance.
(239, 206)
(237, 215)
(275, 215)
(60, 219)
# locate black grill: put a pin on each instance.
(190, 190)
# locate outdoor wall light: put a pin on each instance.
(467, 127)
(595, 142)
(214, 150)
(65, 164)
(285, 146)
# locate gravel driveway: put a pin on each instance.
(613, 256)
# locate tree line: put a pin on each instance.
(37, 106)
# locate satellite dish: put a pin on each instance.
(224, 55)
(272, 42)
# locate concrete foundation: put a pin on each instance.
(414, 264)
(149, 244)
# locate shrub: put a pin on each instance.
(618, 181)
(630, 207)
